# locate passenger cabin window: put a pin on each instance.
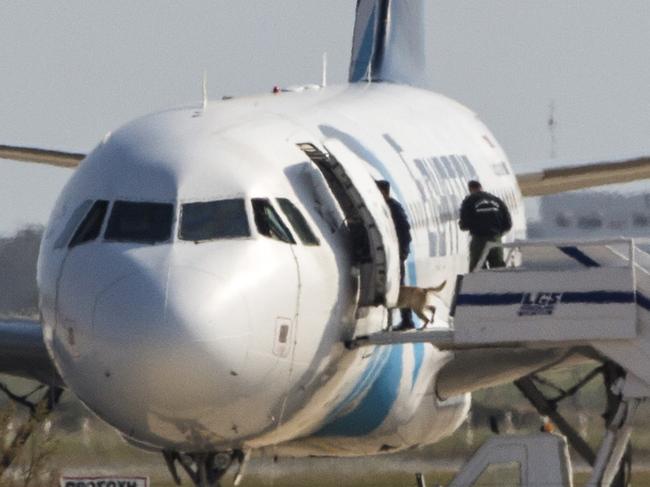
(298, 222)
(590, 222)
(140, 222)
(214, 220)
(91, 225)
(269, 223)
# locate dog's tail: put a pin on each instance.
(438, 288)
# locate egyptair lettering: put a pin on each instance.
(443, 179)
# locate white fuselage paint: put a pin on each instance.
(176, 344)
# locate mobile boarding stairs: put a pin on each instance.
(590, 297)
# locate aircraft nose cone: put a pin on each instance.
(169, 344)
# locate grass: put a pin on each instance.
(84, 445)
(433, 479)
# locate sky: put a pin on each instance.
(72, 70)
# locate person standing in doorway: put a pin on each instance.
(403, 231)
(487, 218)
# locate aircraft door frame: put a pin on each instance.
(375, 248)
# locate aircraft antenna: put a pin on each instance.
(323, 81)
(552, 128)
(205, 91)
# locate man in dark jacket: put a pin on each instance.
(487, 218)
(403, 231)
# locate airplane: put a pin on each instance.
(206, 268)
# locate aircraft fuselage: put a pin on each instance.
(188, 337)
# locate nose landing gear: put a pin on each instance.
(204, 469)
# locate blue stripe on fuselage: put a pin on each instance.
(374, 408)
(373, 369)
(418, 356)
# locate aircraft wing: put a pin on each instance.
(568, 177)
(41, 156)
(23, 352)
(555, 178)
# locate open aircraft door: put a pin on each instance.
(374, 245)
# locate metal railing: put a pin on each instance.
(513, 247)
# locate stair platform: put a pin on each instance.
(562, 294)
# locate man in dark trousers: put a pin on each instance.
(487, 218)
(403, 231)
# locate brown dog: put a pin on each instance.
(419, 300)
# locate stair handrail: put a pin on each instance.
(632, 243)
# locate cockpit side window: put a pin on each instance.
(269, 223)
(140, 222)
(214, 220)
(73, 222)
(91, 225)
(298, 222)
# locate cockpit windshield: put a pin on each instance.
(140, 222)
(214, 220)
